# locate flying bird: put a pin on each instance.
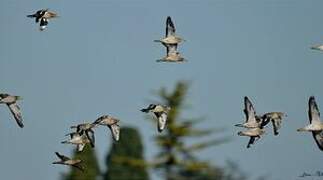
(43, 17)
(87, 129)
(170, 38)
(111, 123)
(69, 162)
(276, 119)
(76, 139)
(253, 122)
(161, 112)
(11, 102)
(315, 126)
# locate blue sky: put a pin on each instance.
(99, 58)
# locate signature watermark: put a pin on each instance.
(318, 175)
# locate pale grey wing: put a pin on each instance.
(313, 111)
(62, 157)
(15, 110)
(249, 110)
(171, 49)
(318, 137)
(162, 119)
(170, 27)
(115, 131)
(80, 147)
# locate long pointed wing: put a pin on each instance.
(318, 137)
(313, 111)
(249, 110)
(170, 27)
(115, 131)
(62, 157)
(251, 141)
(162, 119)
(90, 136)
(15, 110)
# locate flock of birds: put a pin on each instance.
(84, 133)
(255, 123)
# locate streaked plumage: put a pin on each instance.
(11, 102)
(111, 123)
(64, 160)
(161, 112)
(315, 126)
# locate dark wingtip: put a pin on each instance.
(311, 100)
(57, 154)
(144, 110)
(276, 133)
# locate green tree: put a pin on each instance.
(177, 158)
(90, 164)
(125, 160)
